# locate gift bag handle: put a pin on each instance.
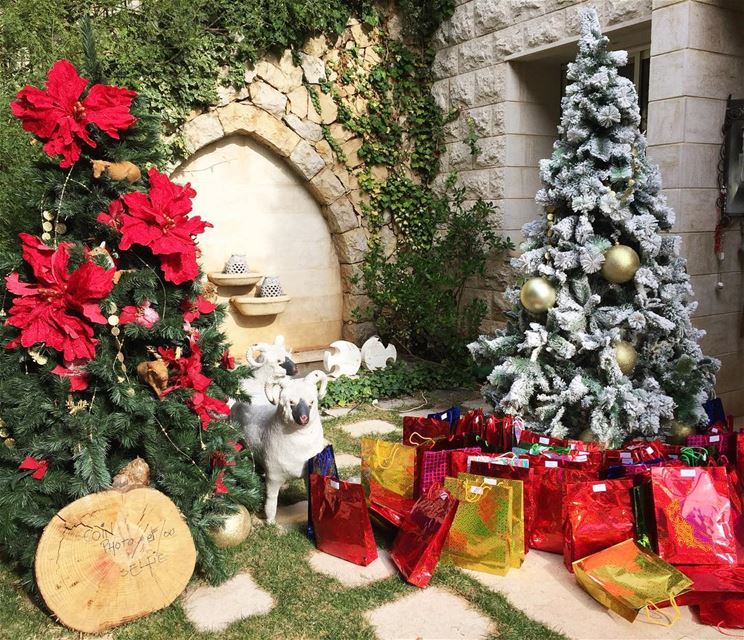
(389, 463)
(471, 496)
(424, 440)
(668, 622)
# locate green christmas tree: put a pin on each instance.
(600, 335)
(102, 298)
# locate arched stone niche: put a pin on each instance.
(259, 207)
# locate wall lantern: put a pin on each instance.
(731, 169)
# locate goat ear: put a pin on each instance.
(273, 390)
(260, 359)
(319, 377)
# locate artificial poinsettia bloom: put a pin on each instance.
(159, 220)
(207, 408)
(39, 467)
(144, 315)
(60, 116)
(219, 483)
(227, 360)
(219, 458)
(60, 306)
(193, 309)
(75, 372)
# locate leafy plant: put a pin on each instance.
(399, 379)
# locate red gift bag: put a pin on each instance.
(597, 515)
(530, 437)
(546, 529)
(418, 431)
(341, 520)
(422, 535)
(693, 515)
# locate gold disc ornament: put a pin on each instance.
(537, 295)
(626, 357)
(112, 557)
(678, 432)
(234, 529)
(620, 265)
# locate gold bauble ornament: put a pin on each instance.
(626, 357)
(620, 265)
(233, 530)
(678, 432)
(587, 435)
(537, 295)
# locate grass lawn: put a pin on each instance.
(309, 605)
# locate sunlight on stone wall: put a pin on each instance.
(260, 208)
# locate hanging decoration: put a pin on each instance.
(620, 265)
(537, 295)
(626, 357)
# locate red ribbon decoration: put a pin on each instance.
(39, 467)
(219, 486)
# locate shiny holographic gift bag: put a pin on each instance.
(480, 535)
(516, 539)
(388, 478)
(324, 464)
(627, 578)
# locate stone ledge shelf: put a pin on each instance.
(234, 279)
(252, 306)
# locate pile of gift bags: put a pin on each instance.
(644, 527)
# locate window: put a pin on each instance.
(637, 71)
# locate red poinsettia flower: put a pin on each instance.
(207, 408)
(144, 315)
(193, 309)
(59, 308)
(227, 360)
(39, 467)
(76, 373)
(219, 484)
(60, 116)
(159, 220)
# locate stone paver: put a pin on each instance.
(546, 592)
(216, 608)
(350, 574)
(292, 515)
(336, 412)
(432, 614)
(478, 403)
(367, 427)
(347, 460)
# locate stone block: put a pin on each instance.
(521, 182)
(213, 609)
(298, 102)
(281, 74)
(351, 279)
(481, 121)
(670, 28)
(526, 150)
(492, 152)
(358, 332)
(712, 301)
(201, 131)
(361, 35)
(669, 159)
(328, 109)
(476, 54)
(699, 169)
(710, 75)
(340, 133)
(618, 12)
(412, 617)
(341, 216)
(530, 118)
(445, 63)
(440, 91)
(491, 15)
(354, 304)
(716, 28)
(265, 96)
(316, 46)
(461, 25)
(698, 249)
(506, 42)
(350, 246)
(666, 121)
(304, 128)
(667, 76)
(544, 30)
(462, 89)
(703, 119)
(313, 68)
(489, 85)
(479, 184)
(693, 208)
(327, 186)
(325, 151)
(239, 117)
(351, 151)
(306, 159)
(459, 156)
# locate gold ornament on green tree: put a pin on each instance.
(626, 357)
(234, 529)
(620, 265)
(678, 432)
(537, 295)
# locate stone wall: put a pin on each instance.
(499, 62)
(275, 109)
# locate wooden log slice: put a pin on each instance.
(112, 557)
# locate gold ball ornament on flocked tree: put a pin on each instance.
(537, 295)
(234, 529)
(620, 264)
(626, 357)
(678, 432)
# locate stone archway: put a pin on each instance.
(299, 142)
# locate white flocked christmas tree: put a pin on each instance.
(573, 366)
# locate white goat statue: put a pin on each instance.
(284, 437)
(271, 364)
